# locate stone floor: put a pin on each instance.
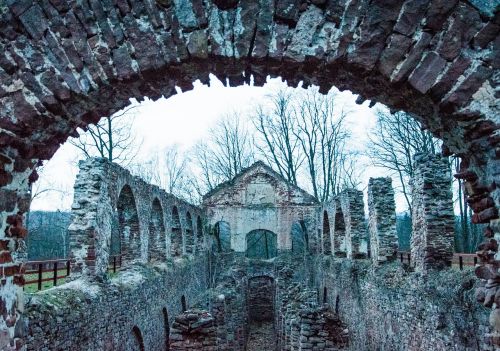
(261, 337)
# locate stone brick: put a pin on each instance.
(424, 76)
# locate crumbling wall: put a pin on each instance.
(107, 194)
(193, 330)
(393, 308)
(83, 315)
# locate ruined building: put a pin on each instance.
(259, 252)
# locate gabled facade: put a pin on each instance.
(258, 198)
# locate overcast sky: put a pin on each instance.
(184, 119)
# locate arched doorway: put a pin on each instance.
(157, 240)
(128, 220)
(339, 248)
(261, 244)
(189, 234)
(261, 313)
(176, 234)
(135, 342)
(221, 239)
(300, 237)
(199, 234)
(327, 244)
(166, 328)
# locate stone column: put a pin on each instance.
(351, 201)
(14, 203)
(92, 220)
(339, 245)
(433, 219)
(382, 220)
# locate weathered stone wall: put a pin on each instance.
(433, 220)
(321, 329)
(382, 220)
(83, 315)
(258, 198)
(393, 308)
(108, 196)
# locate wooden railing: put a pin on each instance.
(39, 268)
(459, 260)
(115, 263)
(38, 272)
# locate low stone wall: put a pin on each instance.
(393, 308)
(133, 308)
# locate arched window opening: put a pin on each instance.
(166, 329)
(325, 295)
(199, 234)
(261, 244)
(339, 248)
(221, 237)
(189, 234)
(183, 303)
(137, 342)
(128, 221)
(157, 244)
(300, 240)
(327, 245)
(261, 297)
(337, 302)
(176, 239)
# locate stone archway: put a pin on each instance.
(189, 234)
(327, 244)
(64, 65)
(176, 234)
(128, 220)
(157, 240)
(261, 244)
(200, 241)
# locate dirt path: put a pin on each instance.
(261, 337)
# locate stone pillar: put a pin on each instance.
(382, 220)
(92, 220)
(351, 201)
(433, 219)
(14, 203)
(339, 244)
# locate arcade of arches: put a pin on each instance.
(64, 64)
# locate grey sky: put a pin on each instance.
(184, 119)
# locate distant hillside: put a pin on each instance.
(48, 235)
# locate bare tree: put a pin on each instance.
(169, 169)
(323, 136)
(397, 137)
(277, 128)
(228, 150)
(112, 138)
